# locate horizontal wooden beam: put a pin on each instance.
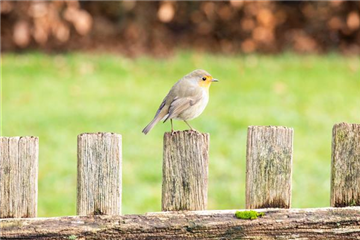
(316, 223)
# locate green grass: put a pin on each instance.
(57, 97)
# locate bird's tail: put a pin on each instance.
(151, 124)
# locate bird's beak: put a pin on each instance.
(214, 80)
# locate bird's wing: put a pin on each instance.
(160, 108)
(178, 105)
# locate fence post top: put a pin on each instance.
(346, 124)
(20, 137)
(100, 134)
(185, 132)
(270, 127)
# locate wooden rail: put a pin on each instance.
(185, 174)
(322, 223)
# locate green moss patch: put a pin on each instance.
(248, 214)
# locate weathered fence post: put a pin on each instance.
(18, 176)
(269, 167)
(185, 171)
(345, 165)
(99, 174)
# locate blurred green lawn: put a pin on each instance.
(57, 97)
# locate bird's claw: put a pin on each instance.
(193, 131)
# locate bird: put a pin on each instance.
(186, 100)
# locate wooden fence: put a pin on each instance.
(184, 191)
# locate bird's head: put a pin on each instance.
(202, 78)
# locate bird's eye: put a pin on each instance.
(204, 78)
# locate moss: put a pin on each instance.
(72, 237)
(98, 212)
(248, 214)
(352, 203)
(11, 224)
(339, 137)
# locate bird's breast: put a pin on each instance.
(195, 110)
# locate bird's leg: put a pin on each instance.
(172, 127)
(192, 129)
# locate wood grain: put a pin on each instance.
(18, 176)
(185, 171)
(269, 167)
(345, 165)
(99, 174)
(323, 223)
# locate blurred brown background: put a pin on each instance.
(157, 28)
